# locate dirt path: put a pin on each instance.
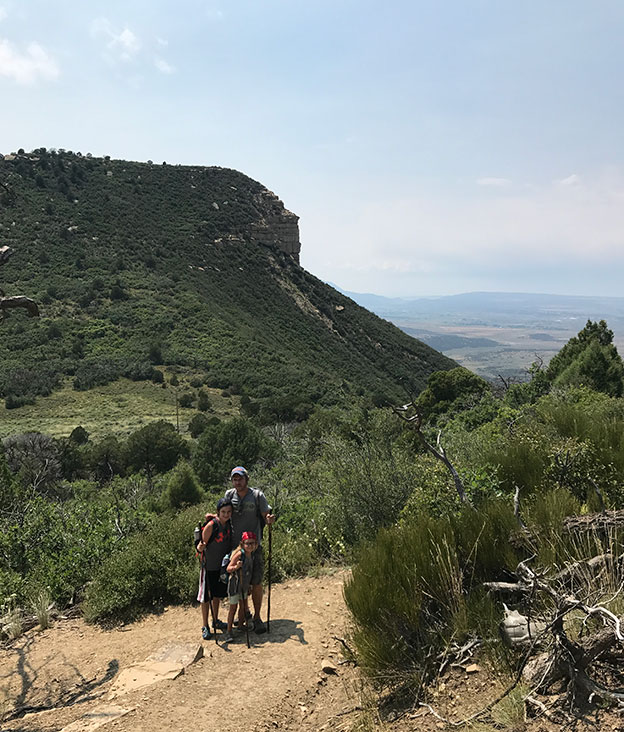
(277, 684)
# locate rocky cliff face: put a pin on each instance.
(277, 226)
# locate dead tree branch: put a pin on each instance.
(410, 414)
(567, 659)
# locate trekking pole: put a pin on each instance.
(270, 557)
(269, 597)
(242, 603)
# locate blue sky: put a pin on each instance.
(429, 147)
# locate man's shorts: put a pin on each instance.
(258, 567)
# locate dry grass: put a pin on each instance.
(117, 408)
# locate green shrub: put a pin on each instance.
(154, 567)
(182, 486)
(416, 587)
(222, 446)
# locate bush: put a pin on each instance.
(186, 400)
(155, 448)
(183, 487)
(203, 401)
(220, 447)
(198, 424)
(154, 567)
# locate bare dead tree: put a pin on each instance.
(516, 505)
(410, 414)
(17, 301)
(567, 659)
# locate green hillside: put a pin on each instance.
(137, 265)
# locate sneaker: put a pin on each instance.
(250, 624)
(219, 625)
(206, 634)
(258, 626)
(229, 638)
(248, 615)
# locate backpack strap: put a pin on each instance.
(215, 528)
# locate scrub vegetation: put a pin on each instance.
(140, 267)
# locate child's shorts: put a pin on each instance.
(235, 599)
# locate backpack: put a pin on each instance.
(224, 576)
(199, 530)
(231, 494)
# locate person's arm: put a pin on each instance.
(265, 509)
(235, 563)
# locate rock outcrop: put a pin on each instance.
(277, 227)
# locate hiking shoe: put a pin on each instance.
(206, 634)
(247, 615)
(219, 625)
(258, 626)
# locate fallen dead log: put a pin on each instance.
(600, 522)
(17, 301)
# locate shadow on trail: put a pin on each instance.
(282, 629)
(56, 693)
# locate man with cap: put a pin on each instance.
(250, 512)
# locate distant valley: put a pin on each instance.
(494, 333)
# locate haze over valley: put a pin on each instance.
(497, 333)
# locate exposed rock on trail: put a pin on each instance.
(57, 676)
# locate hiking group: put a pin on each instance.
(232, 560)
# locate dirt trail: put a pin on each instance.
(277, 684)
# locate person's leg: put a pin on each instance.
(256, 582)
(215, 609)
(204, 614)
(256, 597)
(231, 614)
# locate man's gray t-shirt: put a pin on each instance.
(246, 513)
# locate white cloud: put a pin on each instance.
(494, 182)
(125, 44)
(163, 66)
(571, 180)
(162, 42)
(26, 67)
(3, 13)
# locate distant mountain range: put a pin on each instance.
(497, 308)
(497, 333)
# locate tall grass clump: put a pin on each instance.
(42, 605)
(418, 587)
(410, 593)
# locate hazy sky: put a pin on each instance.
(429, 147)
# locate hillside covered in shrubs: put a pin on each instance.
(137, 265)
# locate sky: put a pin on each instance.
(429, 147)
